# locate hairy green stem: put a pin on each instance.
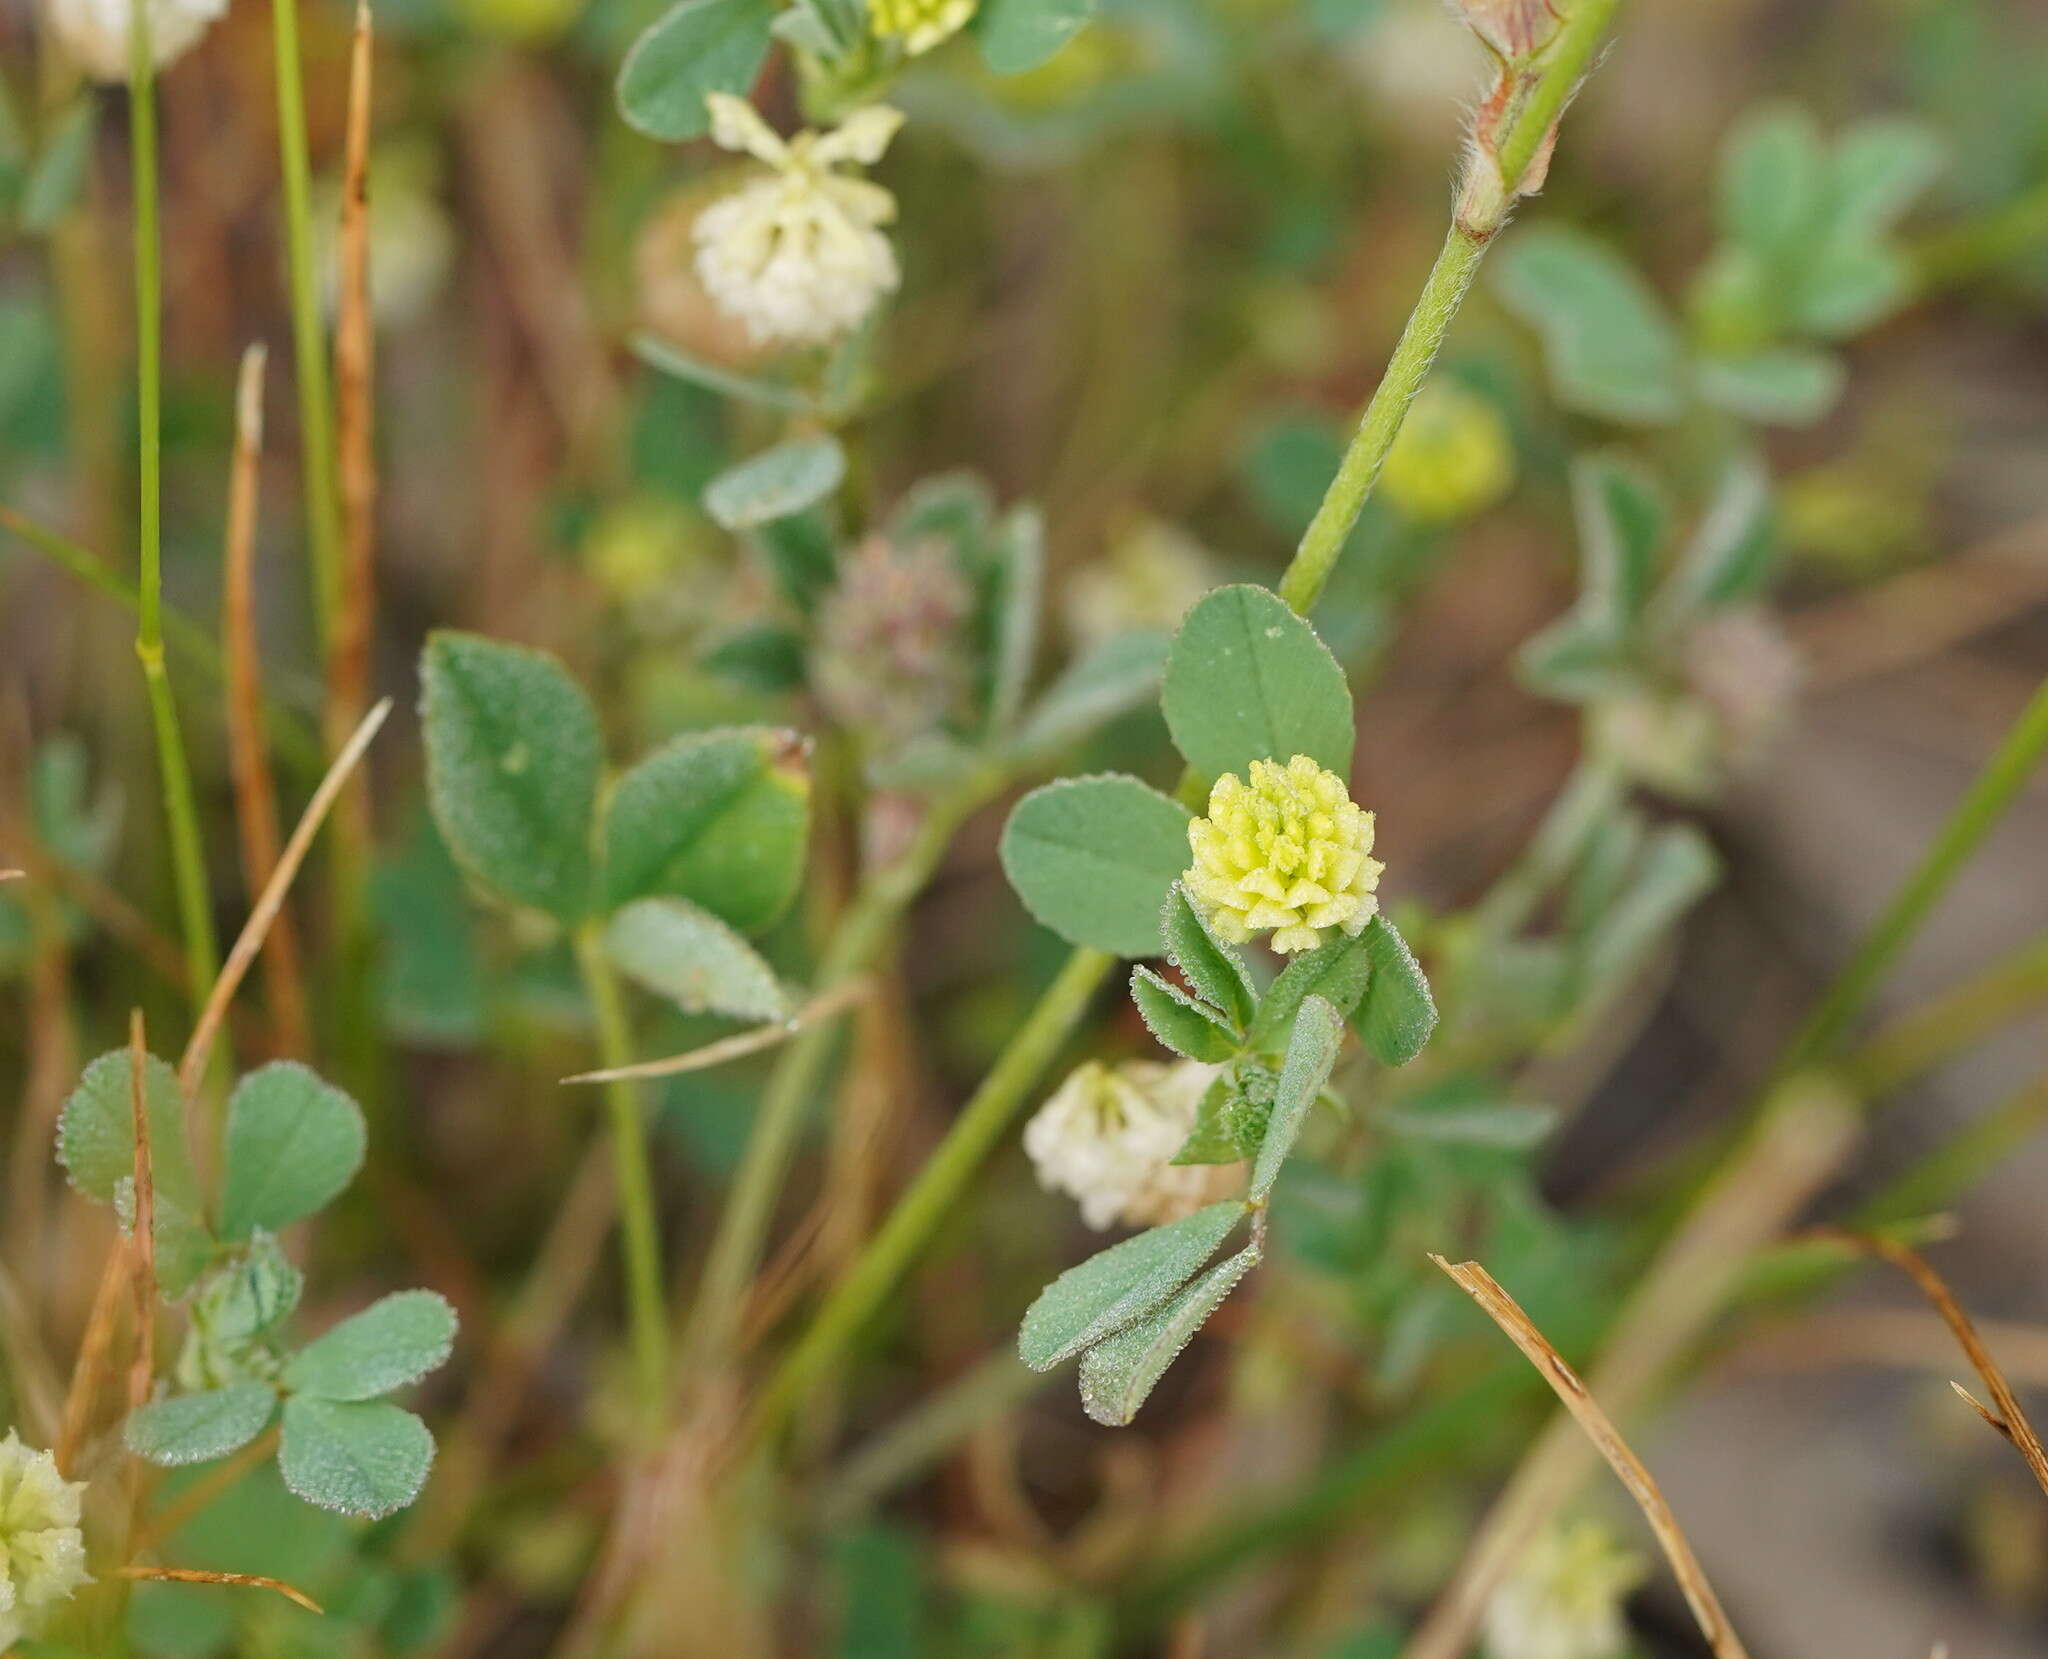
(917, 1214)
(1549, 83)
(712, 1333)
(1992, 790)
(309, 344)
(188, 858)
(646, 1303)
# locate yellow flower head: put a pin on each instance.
(919, 24)
(1288, 851)
(42, 1551)
(1454, 457)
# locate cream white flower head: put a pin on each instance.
(799, 256)
(1108, 1136)
(42, 1551)
(1564, 1598)
(95, 32)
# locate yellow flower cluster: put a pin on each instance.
(1288, 851)
(919, 24)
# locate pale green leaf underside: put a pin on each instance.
(196, 1428)
(692, 958)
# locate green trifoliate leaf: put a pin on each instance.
(1116, 674)
(293, 1143)
(1215, 970)
(694, 48)
(719, 818)
(1336, 972)
(1607, 343)
(1311, 1054)
(1121, 1285)
(776, 483)
(1118, 1374)
(1019, 35)
(196, 1428)
(1191, 1028)
(1094, 858)
(512, 762)
(692, 958)
(365, 1457)
(1247, 679)
(389, 1344)
(1398, 1013)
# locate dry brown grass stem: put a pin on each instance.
(193, 1065)
(248, 754)
(95, 1354)
(1505, 1312)
(1795, 1147)
(197, 1575)
(737, 1046)
(2007, 1415)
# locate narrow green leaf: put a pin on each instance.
(1018, 591)
(512, 762)
(57, 178)
(1678, 868)
(1774, 181)
(719, 818)
(1119, 1373)
(1117, 674)
(1311, 1053)
(1121, 1285)
(776, 483)
(1728, 558)
(1094, 858)
(392, 1342)
(196, 1428)
(660, 354)
(692, 958)
(1607, 343)
(1248, 680)
(1019, 35)
(1399, 1013)
(293, 1143)
(364, 1457)
(1337, 972)
(1621, 522)
(694, 48)
(765, 656)
(1215, 970)
(1783, 386)
(1880, 167)
(1228, 1128)
(801, 555)
(1190, 1028)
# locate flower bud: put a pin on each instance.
(890, 661)
(95, 32)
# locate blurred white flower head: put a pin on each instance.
(1563, 1600)
(799, 255)
(1108, 1137)
(95, 32)
(42, 1551)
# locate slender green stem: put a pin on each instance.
(1946, 1025)
(1323, 541)
(1990, 793)
(1548, 85)
(188, 859)
(869, 920)
(309, 344)
(1955, 1166)
(645, 1300)
(917, 1214)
